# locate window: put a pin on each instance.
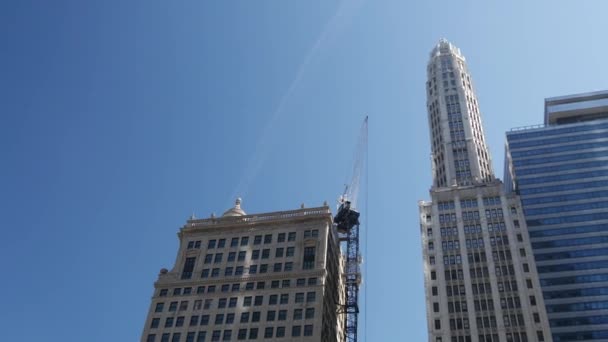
(234, 242)
(280, 332)
(205, 273)
(291, 236)
(245, 317)
(238, 270)
(253, 333)
(155, 322)
(211, 289)
(242, 255)
(265, 253)
(312, 281)
(208, 303)
(301, 282)
(159, 307)
(268, 332)
(255, 254)
(228, 271)
(215, 272)
(253, 269)
(437, 324)
(163, 293)
(211, 244)
(281, 237)
(216, 335)
(311, 297)
(273, 299)
(529, 283)
(526, 267)
(225, 287)
(177, 291)
(205, 320)
(169, 322)
(151, 338)
(188, 268)
(282, 315)
(244, 241)
(218, 258)
(284, 298)
(277, 267)
(532, 300)
(232, 302)
(308, 330)
(255, 317)
(297, 314)
(221, 243)
(258, 300)
(165, 337)
(290, 252)
(433, 275)
(190, 336)
(285, 283)
(263, 268)
(180, 321)
(194, 320)
(279, 253)
(249, 286)
(187, 291)
(260, 285)
(288, 267)
(300, 297)
(247, 301)
(296, 330)
(435, 307)
(434, 290)
(231, 256)
(176, 337)
(219, 319)
(309, 258)
(201, 336)
(270, 315)
(221, 303)
(267, 238)
(310, 313)
(242, 334)
(274, 284)
(257, 240)
(173, 306)
(200, 289)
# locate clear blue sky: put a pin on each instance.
(118, 119)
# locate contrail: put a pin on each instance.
(343, 16)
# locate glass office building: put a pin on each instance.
(560, 171)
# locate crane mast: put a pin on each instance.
(347, 224)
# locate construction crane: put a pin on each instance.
(347, 224)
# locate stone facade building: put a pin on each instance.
(271, 276)
(480, 276)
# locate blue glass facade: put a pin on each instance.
(560, 172)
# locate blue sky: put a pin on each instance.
(119, 119)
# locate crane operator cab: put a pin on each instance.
(346, 218)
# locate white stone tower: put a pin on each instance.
(459, 152)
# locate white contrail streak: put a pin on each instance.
(343, 16)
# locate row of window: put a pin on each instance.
(226, 335)
(229, 318)
(582, 253)
(260, 285)
(563, 187)
(241, 270)
(561, 168)
(257, 240)
(280, 252)
(567, 219)
(558, 158)
(232, 302)
(557, 149)
(556, 130)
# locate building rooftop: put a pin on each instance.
(576, 108)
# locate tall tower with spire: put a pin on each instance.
(460, 155)
(480, 276)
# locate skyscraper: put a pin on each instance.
(269, 276)
(560, 171)
(480, 276)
